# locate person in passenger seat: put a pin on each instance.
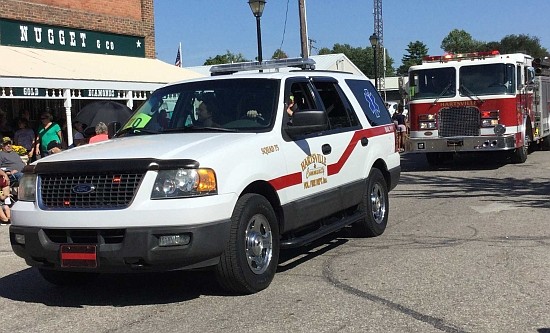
(204, 114)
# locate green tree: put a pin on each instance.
(415, 52)
(225, 59)
(362, 57)
(523, 43)
(459, 41)
(279, 54)
(491, 46)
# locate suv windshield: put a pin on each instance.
(217, 105)
(432, 83)
(487, 79)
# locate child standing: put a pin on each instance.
(5, 200)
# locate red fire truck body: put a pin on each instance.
(478, 102)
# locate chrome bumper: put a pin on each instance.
(461, 144)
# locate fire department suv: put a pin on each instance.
(214, 172)
(479, 102)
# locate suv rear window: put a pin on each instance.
(370, 102)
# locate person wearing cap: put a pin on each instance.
(10, 160)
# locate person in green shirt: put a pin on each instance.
(48, 131)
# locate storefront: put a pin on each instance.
(59, 70)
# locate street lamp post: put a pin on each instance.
(374, 43)
(257, 7)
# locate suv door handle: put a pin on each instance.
(326, 149)
(364, 142)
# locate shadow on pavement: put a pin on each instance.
(524, 192)
(470, 161)
(111, 289)
(142, 288)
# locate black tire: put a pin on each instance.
(249, 261)
(375, 205)
(519, 155)
(63, 278)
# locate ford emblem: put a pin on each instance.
(83, 188)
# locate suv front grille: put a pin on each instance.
(72, 236)
(459, 121)
(106, 191)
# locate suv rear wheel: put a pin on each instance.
(249, 261)
(375, 205)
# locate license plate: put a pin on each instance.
(83, 256)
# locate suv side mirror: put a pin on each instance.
(307, 121)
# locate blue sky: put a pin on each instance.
(207, 28)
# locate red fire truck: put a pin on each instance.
(479, 102)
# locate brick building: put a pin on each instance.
(59, 55)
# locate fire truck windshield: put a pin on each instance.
(488, 79)
(433, 83)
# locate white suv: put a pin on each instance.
(214, 172)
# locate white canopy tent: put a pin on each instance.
(27, 73)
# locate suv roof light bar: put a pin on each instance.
(303, 63)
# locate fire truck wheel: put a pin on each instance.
(375, 205)
(519, 155)
(250, 259)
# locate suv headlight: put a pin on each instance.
(27, 187)
(181, 183)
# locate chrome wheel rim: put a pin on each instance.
(378, 203)
(258, 244)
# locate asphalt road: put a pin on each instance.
(466, 250)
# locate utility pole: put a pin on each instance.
(303, 28)
(379, 31)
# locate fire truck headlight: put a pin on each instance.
(427, 125)
(500, 129)
(489, 122)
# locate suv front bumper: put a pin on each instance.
(125, 250)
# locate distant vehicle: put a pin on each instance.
(479, 102)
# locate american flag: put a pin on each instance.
(178, 58)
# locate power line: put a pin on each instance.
(284, 29)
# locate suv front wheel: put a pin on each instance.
(250, 259)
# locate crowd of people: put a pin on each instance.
(48, 136)
(46, 139)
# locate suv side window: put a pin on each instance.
(304, 99)
(339, 113)
(303, 96)
(370, 102)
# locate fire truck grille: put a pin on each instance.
(459, 121)
(90, 191)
